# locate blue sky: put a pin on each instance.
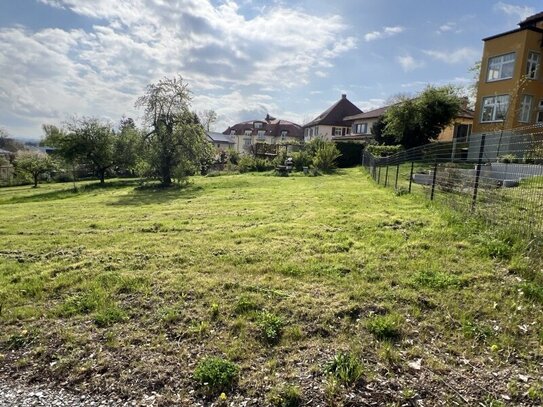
(242, 58)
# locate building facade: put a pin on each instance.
(246, 135)
(510, 88)
(332, 123)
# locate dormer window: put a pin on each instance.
(232, 132)
(257, 125)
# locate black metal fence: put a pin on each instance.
(497, 176)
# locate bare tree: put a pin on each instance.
(208, 118)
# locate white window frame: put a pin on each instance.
(261, 135)
(246, 142)
(284, 135)
(539, 118)
(532, 65)
(497, 63)
(497, 101)
(257, 125)
(360, 128)
(525, 111)
(248, 133)
(338, 131)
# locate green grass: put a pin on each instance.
(129, 288)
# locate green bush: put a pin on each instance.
(508, 159)
(216, 373)
(287, 396)
(346, 368)
(249, 163)
(325, 157)
(387, 327)
(383, 151)
(271, 327)
(301, 159)
(233, 156)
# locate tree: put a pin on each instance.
(177, 143)
(87, 141)
(417, 121)
(128, 145)
(34, 164)
(9, 144)
(377, 131)
(207, 118)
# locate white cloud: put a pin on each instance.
(51, 73)
(454, 57)
(520, 12)
(408, 63)
(370, 104)
(384, 33)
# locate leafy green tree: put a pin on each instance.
(127, 146)
(326, 156)
(177, 144)
(377, 131)
(417, 121)
(87, 141)
(34, 164)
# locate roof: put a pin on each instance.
(372, 114)
(219, 137)
(466, 113)
(5, 152)
(272, 127)
(532, 20)
(529, 23)
(335, 115)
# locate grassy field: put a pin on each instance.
(318, 290)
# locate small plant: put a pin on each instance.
(507, 158)
(271, 327)
(214, 311)
(386, 327)
(216, 373)
(533, 291)
(109, 316)
(286, 396)
(245, 305)
(435, 279)
(345, 368)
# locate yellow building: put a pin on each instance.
(510, 89)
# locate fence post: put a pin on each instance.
(478, 173)
(386, 176)
(397, 173)
(379, 176)
(434, 182)
(411, 175)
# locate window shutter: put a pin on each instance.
(333, 131)
(343, 131)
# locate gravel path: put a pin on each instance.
(24, 395)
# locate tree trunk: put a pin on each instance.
(102, 177)
(36, 176)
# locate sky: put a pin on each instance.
(241, 58)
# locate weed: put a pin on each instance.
(345, 368)
(216, 374)
(214, 311)
(199, 329)
(532, 291)
(435, 279)
(271, 327)
(84, 303)
(285, 396)
(109, 316)
(21, 339)
(246, 305)
(385, 327)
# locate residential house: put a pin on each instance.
(247, 134)
(363, 123)
(332, 123)
(6, 169)
(510, 88)
(221, 142)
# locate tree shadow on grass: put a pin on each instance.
(68, 193)
(154, 194)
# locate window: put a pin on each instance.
(494, 108)
(360, 128)
(532, 65)
(311, 132)
(283, 135)
(316, 130)
(257, 125)
(501, 67)
(337, 131)
(246, 142)
(232, 132)
(525, 109)
(540, 112)
(261, 134)
(248, 132)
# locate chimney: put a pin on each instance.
(464, 102)
(344, 96)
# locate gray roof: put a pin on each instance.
(219, 137)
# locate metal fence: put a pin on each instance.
(497, 177)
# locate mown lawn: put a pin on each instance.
(126, 289)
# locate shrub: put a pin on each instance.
(233, 156)
(386, 327)
(301, 159)
(287, 396)
(507, 158)
(271, 327)
(217, 373)
(346, 368)
(351, 154)
(248, 163)
(383, 151)
(326, 156)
